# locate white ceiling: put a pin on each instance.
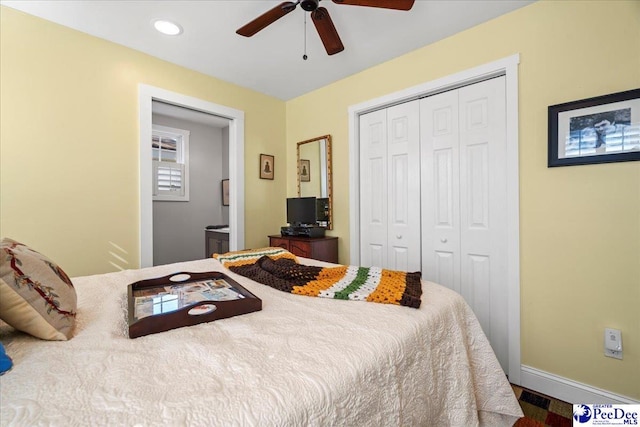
(271, 61)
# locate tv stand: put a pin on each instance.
(320, 248)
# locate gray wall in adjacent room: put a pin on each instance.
(178, 227)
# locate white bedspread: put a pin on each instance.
(301, 361)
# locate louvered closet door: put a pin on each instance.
(464, 237)
(390, 188)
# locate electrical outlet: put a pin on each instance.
(613, 343)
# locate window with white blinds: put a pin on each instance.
(170, 156)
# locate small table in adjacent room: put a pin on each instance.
(320, 248)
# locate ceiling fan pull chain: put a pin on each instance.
(304, 56)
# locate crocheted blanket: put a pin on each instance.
(279, 268)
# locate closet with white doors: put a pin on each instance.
(434, 195)
(390, 187)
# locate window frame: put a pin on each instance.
(182, 158)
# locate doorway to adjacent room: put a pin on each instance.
(235, 118)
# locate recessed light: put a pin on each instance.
(167, 27)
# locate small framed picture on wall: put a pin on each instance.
(267, 166)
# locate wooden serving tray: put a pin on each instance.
(185, 299)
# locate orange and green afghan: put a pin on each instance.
(280, 269)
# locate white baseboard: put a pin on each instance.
(568, 390)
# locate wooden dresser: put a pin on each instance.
(320, 248)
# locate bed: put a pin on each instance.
(300, 361)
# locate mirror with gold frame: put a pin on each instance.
(314, 173)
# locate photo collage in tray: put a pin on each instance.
(152, 301)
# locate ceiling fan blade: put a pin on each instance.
(385, 4)
(267, 18)
(327, 31)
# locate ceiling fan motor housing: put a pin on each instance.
(309, 5)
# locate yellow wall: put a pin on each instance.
(580, 225)
(68, 118)
(69, 143)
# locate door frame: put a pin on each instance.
(147, 94)
(508, 67)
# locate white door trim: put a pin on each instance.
(509, 68)
(147, 94)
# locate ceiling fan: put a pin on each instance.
(320, 16)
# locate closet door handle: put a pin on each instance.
(399, 236)
(443, 240)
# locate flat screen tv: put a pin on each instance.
(301, 211)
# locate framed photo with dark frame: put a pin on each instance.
(603, 129)
(267, 166)
(305, 170)
(225, 192)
